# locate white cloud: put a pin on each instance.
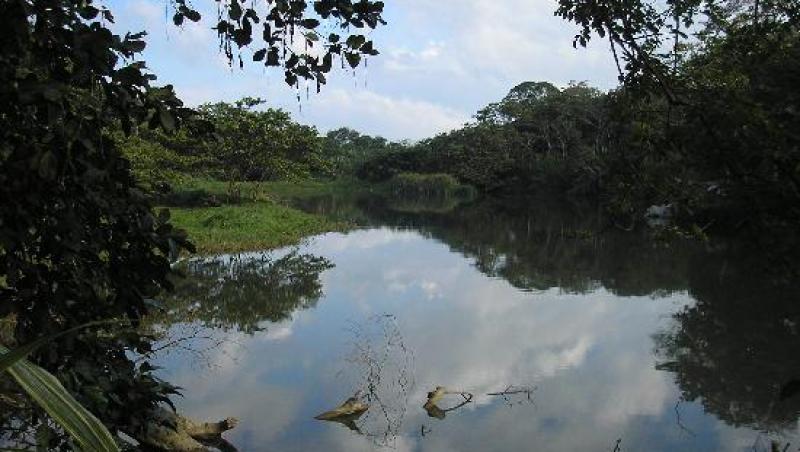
(518, 40)
(378, 114)
(149, 13)
(440, 62)
(362, 239)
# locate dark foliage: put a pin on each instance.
(707, 129)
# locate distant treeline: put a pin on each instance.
(248, 144)
(710, 135)
(718, 144)
(538, 137)
(734, 161)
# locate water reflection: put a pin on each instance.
(383, 368)
(736, 349)
(491, 300)
(535, 245)
(244, 291)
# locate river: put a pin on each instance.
(552, 330)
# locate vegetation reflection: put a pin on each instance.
(242, 292)
(739, 362)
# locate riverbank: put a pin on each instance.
(246, 216)
(248, 227)
(252, 216)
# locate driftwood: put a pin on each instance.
(435, 396)
(169, 431)
(347, 413)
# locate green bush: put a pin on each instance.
(155, 163)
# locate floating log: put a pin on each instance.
(437, 395)
(350, 407)
(169, 431)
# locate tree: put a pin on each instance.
(78, 240)
(261, 145)
(720, 75)
(537, 138)
(348, 149)
(519, 99)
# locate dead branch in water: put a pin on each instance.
(347, 413)
(513, 390)
(437, 395)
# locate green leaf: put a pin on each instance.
(356, 41)
(259, 55)
(235, 11)
(88, 12)
(327, 62)
(309, 23)
(48, 392)
(272, 57)
(48, 166)
(368, 49)
(353, 59)
(193, 15)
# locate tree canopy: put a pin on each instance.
(705, 120)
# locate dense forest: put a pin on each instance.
(703, 132)
(706, 132)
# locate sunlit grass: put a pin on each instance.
(248, 227)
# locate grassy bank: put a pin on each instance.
(252, 216)
(247, 216)
(248, 227)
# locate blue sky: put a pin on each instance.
(441, 61)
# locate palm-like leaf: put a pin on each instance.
(47, 391)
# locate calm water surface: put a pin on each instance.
(605, 339)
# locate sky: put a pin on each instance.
(440, 62)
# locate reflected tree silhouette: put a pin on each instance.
(736, 349)
(229, 293)
(533, 244)
(241, 292)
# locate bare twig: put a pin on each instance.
(513, 390)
